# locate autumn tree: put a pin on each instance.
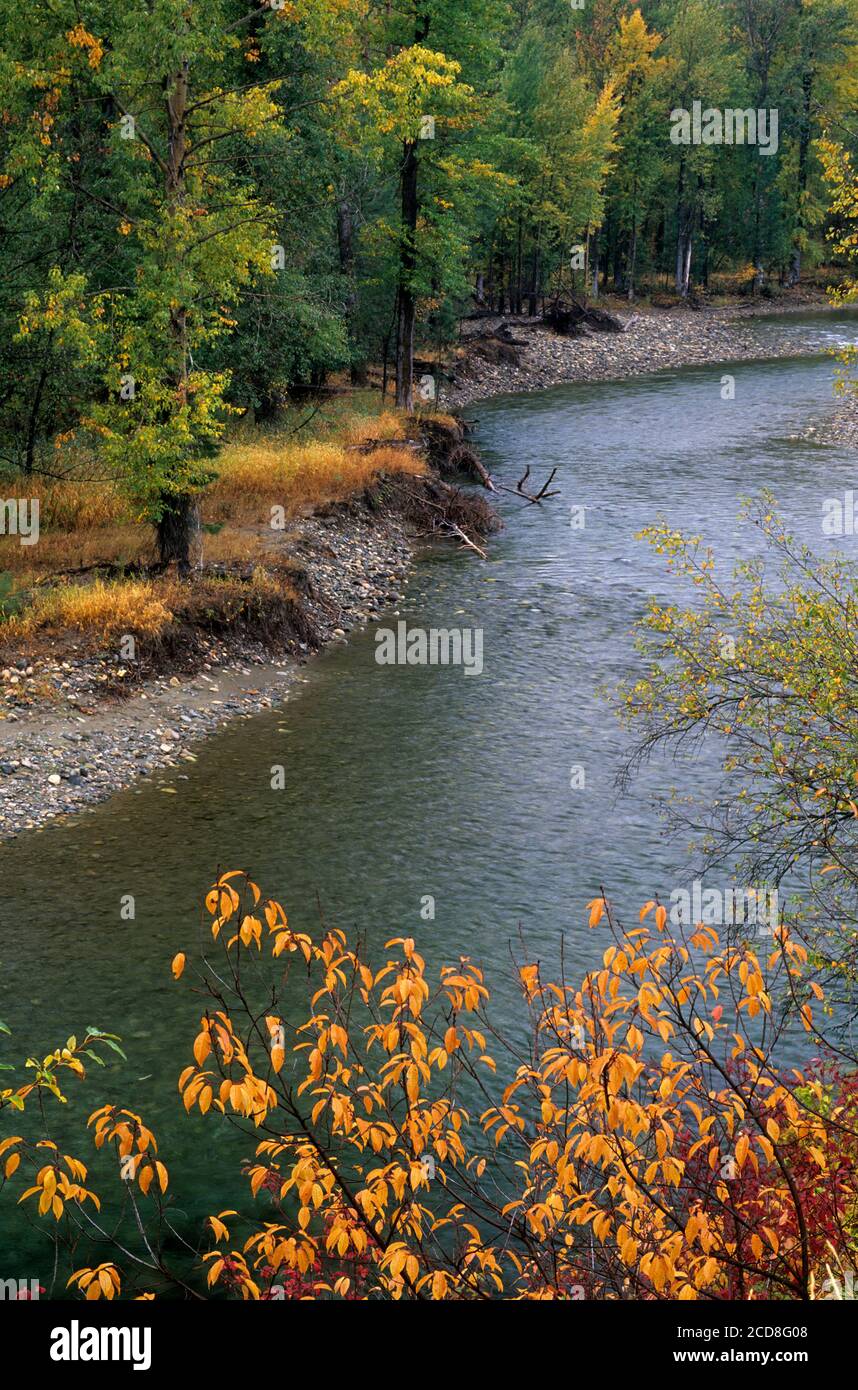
(634, 1137)
(178, 115)
(762, 666)
(842, 181)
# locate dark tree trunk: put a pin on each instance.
(683, 235)
(407, 301)
(533, 298)
(803, 145)
(345, 242)
(178, 524)
(33, 422)
(178, 529)
(267, 408)
(519, 289)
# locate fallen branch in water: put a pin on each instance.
(457, 531)
(534, 497)
(445, 523)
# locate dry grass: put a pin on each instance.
(165, 615)
(309, 460)
(60, 551)
(134, 606)
(254, 476)
(445, 421)
(86, 524)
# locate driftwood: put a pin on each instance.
(454, 530)
(534, 497)
(369, 446)
(444, 511)
(496, 344)
(572, 318)
(495, 350)
(449, 453)
(502, 333)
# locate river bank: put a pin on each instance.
(653, 340)
(70, 738)
(77, 726)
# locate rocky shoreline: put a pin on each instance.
(653, 340)
(69, 739)
(77, 728)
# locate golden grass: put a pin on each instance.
(74, 503)
(84, 525)
(106, 608)
(58, 551)
(255, 476)
(439, 418)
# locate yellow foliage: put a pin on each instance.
(635, 1148)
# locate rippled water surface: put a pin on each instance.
(403, 781)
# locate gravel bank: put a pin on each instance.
(844, 427)
(653, 340)
(70, 736)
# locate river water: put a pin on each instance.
(404, 783)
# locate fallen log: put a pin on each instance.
(572, 318)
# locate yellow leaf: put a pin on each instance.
(597, 911)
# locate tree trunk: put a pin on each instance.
(533, 297)
(803, 145)
(178, 524)
(345, 243)
(33, 422)
(407, 306)
(178, 530)
(682, 230)
(633, 251)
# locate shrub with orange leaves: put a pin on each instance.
(641, 1142)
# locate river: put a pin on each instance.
(408, 782)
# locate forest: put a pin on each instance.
(205, 208)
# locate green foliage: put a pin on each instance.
(764, 668)
(11, 602)
(138, 231)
